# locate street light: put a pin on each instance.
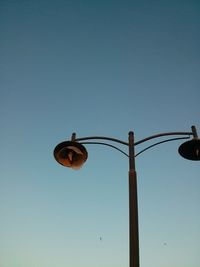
(73, 154)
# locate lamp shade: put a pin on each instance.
(70, 154)
(190, 149)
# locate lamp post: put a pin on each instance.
(73, 154)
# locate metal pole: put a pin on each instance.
(133, 207)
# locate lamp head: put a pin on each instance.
(190, 149)
(70, 154)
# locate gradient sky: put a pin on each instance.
(97, 68)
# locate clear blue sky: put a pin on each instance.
(97, 68)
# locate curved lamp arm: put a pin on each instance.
(105, 144)
(98, 138)
(161, 142)
(161, 135)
